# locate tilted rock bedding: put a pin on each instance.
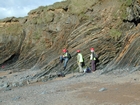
(34, 43)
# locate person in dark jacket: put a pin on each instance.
(65, 58)
(93, 59)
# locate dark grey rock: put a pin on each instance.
(16, 98)
(15, 84)
(8, 89)
(5, 85)
(44, 92)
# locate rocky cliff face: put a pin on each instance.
(35, 42)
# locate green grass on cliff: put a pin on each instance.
(13, 29)
(124, 6)
(115, 34)
(79, 6)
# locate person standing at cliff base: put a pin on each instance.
(65, 57)
(80, 61)
(93, 59)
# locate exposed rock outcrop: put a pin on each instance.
(35, 42)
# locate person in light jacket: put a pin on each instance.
(80, 61)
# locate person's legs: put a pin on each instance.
(80, 67)
(65, 62)
(61, 59)
(93, 68)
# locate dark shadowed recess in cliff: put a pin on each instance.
(10, 61)
(135, 21)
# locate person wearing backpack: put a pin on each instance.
(93, 59)
(80, 61)
(65, 57)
